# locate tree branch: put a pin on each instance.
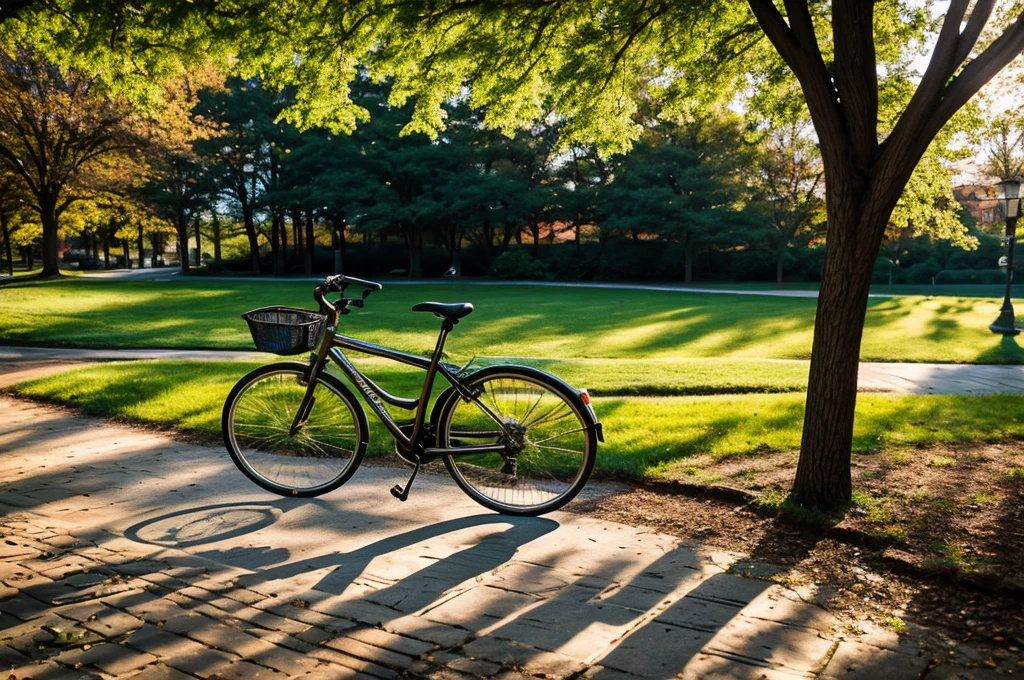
(856, 78)
(799, 48)
(975, 23)
(976, 74)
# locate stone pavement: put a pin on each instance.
(24, 363)
(128, 554)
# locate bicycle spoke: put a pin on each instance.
(547, 439)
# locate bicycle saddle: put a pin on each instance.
(452, 312)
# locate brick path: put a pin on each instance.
(128, 554)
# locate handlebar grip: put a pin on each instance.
(342, 280)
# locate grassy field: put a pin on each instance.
(646, 436)
(521, 321)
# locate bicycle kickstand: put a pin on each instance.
(403, 494)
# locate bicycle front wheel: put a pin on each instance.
(319, 457)
(550, 447)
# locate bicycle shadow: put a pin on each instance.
(214, 523)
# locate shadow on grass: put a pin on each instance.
(1005, 350)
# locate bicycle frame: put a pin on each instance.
(332, 346)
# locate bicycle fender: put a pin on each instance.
(593, 424)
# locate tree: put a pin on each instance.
(679, 182)
(596, 72)
(1004, 145)
(238, 150)
(593, 64)
(13, 198)
(788, 179)
(53, 126)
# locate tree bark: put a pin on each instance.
(215, 227)
(688, 261)
(415, 243)
(338, 231)
(181, 223)
(823, 472)
(199, 243)
(127, 255)
(778, 266)
(275, 245)
(5, 227)
(250, 232)
(308, 251)
(48, 216)
(142, 250)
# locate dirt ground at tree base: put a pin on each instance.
(934, 539)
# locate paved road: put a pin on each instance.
(165, 275)
(128, 554)
(22, 363)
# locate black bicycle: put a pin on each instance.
(516, 439)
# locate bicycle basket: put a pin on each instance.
(285, 330)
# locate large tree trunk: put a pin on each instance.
(457, 256)
(199, 243)
(215, 228)
(250, 232)
(127, 255)
(182, 227)
(415, 243)
(48, 216)
(6, 229)
(284, 242)
(296, 234)
(275, 245)
(823, 473)
(688, 261)
(778, 266)
(307, 264)
(339, 247)
(142, 250)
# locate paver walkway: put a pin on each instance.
(127, 554)
(22, 363)
(173, 274)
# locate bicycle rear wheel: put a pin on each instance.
(551, 448)
(319, 457)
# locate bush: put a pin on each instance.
(569, 262)
(962, 276)
(924, 273)
(518, 264)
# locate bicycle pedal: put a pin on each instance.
(398, 492)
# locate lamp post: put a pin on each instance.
(1009, 198)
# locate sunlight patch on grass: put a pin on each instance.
(565, 323)
(645, 436)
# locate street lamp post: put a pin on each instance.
(1009, 197)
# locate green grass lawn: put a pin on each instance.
(646, 436)
(521, 321)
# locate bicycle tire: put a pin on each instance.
(260, 445)
(521, 396)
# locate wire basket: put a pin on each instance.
(285, 330)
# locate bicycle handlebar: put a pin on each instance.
(342, 281)
(338, 283)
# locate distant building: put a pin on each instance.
(980, 200)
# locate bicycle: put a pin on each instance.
(515, 439)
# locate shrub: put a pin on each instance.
(960, 276)
(923, 273)
(518, 264)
